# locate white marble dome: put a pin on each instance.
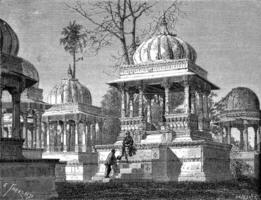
(9, 43)
(162, 47)
(69, 90)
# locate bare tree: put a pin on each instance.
(119, 20)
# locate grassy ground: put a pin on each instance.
(244, 189)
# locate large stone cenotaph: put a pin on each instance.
(172, 138)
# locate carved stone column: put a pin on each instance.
(100, 125)
(187, 103)
(149, 110)
(93, 135)
(48, 136)
(9, 127)
(123, 102)
(205, 105)
(228, 134)
(1, 121)
(245, 135)
(77, 136)
(25, 130)
(200, 111)
(55, 135)
(64, 136)
(34, 132)
(259, 138)
(255, 137)
(167, 109)
(88, 137)
(38, 129)
(131, 102)
(193, 102)
(140, 101)
(241, 138)
(16, 132)
(84, 137)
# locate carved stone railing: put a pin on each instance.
(161, 66)
(182, 121)
(131, 123)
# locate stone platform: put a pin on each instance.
(200, 160)
(76, 166)
(27, 179)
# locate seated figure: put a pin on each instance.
(127, 147)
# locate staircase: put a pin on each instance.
(129, 172)
(125, 172)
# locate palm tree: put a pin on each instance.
(74, 41)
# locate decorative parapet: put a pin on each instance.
(131, 123)
(73, 108)
(161, 66)
(182, 121)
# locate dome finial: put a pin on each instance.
(164, 25)
(69, 72)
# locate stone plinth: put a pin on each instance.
(27, 179)
(32, 153)
(78, 166)
(11, 148)
(248, 161)
(176, 161)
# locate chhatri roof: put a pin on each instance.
(163, 47)
(10, 63)
(70, 101)
(163, 56)
(240, 103)
(69, 90)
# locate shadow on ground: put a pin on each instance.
(244, 189)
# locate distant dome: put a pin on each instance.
(164, 46)
(9, 43)
(69, 90)
(242, 98)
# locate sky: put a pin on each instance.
(226, 35)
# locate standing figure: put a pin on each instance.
(127, 146)
(110, 162)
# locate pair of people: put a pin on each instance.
(127, 150)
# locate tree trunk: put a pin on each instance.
(125, 51)
(133, 45)
(74, 63)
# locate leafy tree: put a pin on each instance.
(111, 109)
(74, 41)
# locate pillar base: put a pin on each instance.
(11, 148)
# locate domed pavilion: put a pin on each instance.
(240, 108)
(31, 105)
(177, 146)
(73, 127)
(32, 178)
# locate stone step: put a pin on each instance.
(133, 176)
(130, 170)
(97, 178)
(130, 165)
